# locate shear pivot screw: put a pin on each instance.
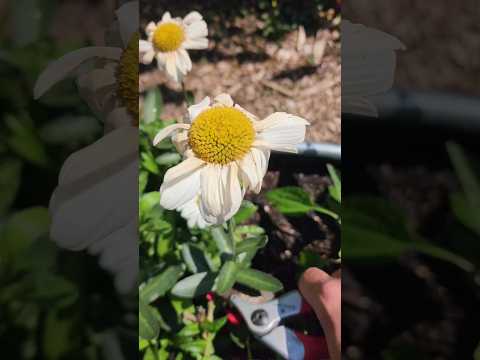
(260, 317)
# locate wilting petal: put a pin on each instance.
(224, 99)
(181, 183)
(183, 61)
(253, 168)
(282, 131)
(94, 197)
(168, 130)
(66, 65)
(191, 212)
(221, 194)
(196, 109)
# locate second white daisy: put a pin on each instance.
(169, 40)
(226, 151)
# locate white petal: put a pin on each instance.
(192, 17)
(252, 117)
(221, 194)
(197, 30)
(66, 65)
(166, 131)
(181, 183)
(144, 46)
(95, 196)
(196, 44)
(253, 168)
(196, 109)
(282, 131)
(166, 16)
(150, 28)
(127, 16)
(147, 57)
(224, 99)
(183, 61)
(191, 212)
(180, 140)
(171, 66)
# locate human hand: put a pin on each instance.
(324, 294)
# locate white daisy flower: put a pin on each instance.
(226, 151)
(190, 211)
(106, 76)
(169, 40)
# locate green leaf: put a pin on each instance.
(10, 171)
(194, 347)
(215, 326)
(467, 176)
(24, 142)
(227, 276)
(291, 200)
(194, 285)
(336, 189)
(464, 213)
(246, 211)
(148, 324)
(21, 230)
(148, 201)
(195, 258)
(476, 354)
(258, 280)
(252, 244)
(152, 107)
(446, 255)
(222, 240)
(160, 284)
(168, 159)
(189, 330)
(69, 129)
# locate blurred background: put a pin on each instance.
(54, 304)
(410, 216)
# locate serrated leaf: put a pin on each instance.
(291, 200)
(258, 280)
(227, 276)
(160, 284)
(194, 285)
(148, 325)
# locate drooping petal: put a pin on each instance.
(183, 61)
(171, 66)
(221, 193)
(196, 109)
(282, 131)
(181, 183)
(128, 21)
(66, 65)
(191, 212)
(168, 130)
(224, 99)
(253, 168)
(180, 140)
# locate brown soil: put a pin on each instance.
(299, 74)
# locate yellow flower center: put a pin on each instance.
(127, 78)
(221, 135)
(168, 37)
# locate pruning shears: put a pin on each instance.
(265, 323)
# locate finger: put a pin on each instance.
(337, 274)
